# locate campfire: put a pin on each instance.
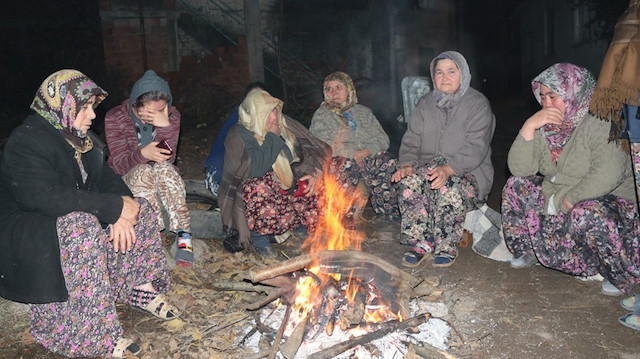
(337, 300)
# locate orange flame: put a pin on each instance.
(331, 234)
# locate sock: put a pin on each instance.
(184, 241)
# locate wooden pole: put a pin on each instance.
(254, 39)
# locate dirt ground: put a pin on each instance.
(494, 311)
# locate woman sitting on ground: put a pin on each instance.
(214, 164)
(142, 134)
(579, 214)
(75, 240)
(358, 142)
(267, 157)
(445, 162)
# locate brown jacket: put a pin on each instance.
(237, 166)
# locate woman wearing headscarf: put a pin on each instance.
(142, 134)
(75, 242)
(358, 143)
(445, 167)
(570, 203)
(267, 157)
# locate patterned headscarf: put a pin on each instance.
(253, 114)
(444, 100)
(574, 85)
(59, 100)
(342, 109)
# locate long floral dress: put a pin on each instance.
(435, 216)
(598, 235)
(376, 175)
(270, 211)
(97, 278)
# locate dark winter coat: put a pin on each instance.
(40, 181)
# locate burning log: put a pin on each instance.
(398, 285)
(352, 317)
(337, 262)
(386, 328)
(290, 347)
(283, 287)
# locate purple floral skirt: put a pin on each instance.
(598, 235)
(96, 278)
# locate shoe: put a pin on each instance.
(124, 345)
(443, 260)
(630, 320)
(413, 258)
(266, 252)
(609, 289)
(598, 277)
(525, 261)
(159, 306)
(631, 303)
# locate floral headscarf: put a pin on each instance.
(253, 114)
(342, 109)
(444, 100)
(59, 100)
(574, 84)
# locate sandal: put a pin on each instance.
(631, 303)
(124, 345)
(630, 320)
(444, 260)
(158, 306)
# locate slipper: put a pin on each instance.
(631, 303)
(630, 320)
(444, 260)
(413, 259)
(124, 345)
(161, 308)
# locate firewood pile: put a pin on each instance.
(376, 285)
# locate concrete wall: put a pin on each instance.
(545, 42)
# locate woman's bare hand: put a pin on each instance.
(439, 176)
(539, 119)
(156, 118)
(402, 172)
(360, 155)
(130, 209)
(122, 235)
(154, 153)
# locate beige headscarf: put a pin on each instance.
(253, 114)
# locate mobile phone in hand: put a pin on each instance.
(165, 145)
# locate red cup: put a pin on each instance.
(302, 185)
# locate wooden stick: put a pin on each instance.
(288, 266)
(273, 295)
(329, 257)
(290, 347)
(388, 327)
(241, 286)
(283, 325)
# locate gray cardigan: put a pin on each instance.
(330, 128)
(462, 135)
(588, 167)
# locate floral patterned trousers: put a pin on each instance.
(597, 235)
(96, 277)
(436, 215)
(271, 212)
(376, 175)
(161, 185)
